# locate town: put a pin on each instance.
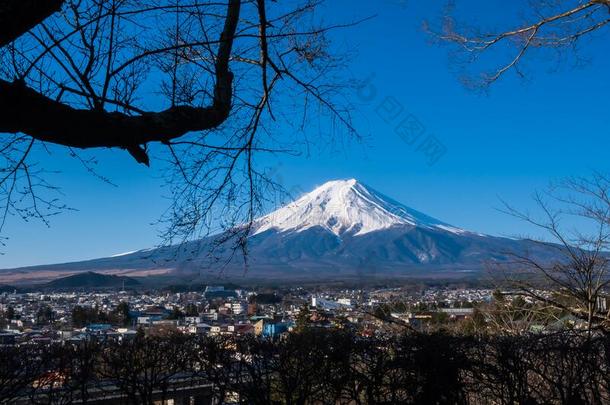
(45, 317)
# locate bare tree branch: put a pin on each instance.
(551, 26)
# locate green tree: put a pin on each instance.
(82, 316)
(45, 315)
(191, 309)
(176, 314)
(10, 313)
(79, 316)
(303, 319)
(121, 314)
(440, 318)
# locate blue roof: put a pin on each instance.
(99, 326)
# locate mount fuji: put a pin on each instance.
(343, 228)
(346, 207)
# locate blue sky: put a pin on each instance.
(504, 144)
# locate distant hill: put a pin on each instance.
(6, 288)
(92, 280)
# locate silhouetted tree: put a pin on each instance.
(145, 365)
(191, 309)
(213, 357)
(78, 75)
(122, 313)
(176, 314)
(10, 313)
(19, 367)
(319, 366)
(81, 376)
(45, 314)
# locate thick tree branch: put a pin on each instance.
(24, 110)
(19, 16)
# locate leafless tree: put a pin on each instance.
(575, 275)
(213, 358)
(19, 367)
(81, 378)
(547, 26)
(144, 367)
(200, 86)
(337, 367)
(51, 384)
(513, 315)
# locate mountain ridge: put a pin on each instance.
(341, 228)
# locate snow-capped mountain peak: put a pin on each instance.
(346, 206)
(341, 229)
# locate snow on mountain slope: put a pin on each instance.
(346, 206)
(339, 229)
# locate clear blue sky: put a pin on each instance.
(507, 144)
